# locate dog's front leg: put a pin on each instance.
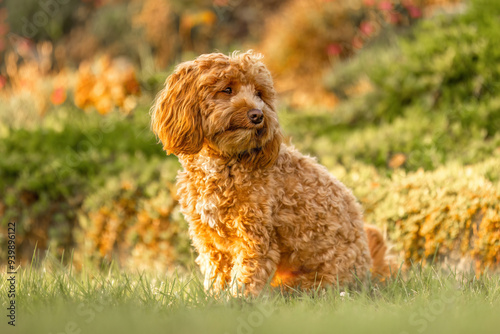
(215, 267)
(255, 262)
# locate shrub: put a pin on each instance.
(422, 142)
(433, 97)
(307, 37)
(134, 219)
(446, 66)
(42, 20)
(451, 213)
(108, 85)
(49, 171)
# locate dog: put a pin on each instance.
(258, 210)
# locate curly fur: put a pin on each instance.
(256, 207)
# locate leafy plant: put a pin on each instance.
(446, 66)
(450, 215)
(433, 96)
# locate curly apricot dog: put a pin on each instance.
(255, 206)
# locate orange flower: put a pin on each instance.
(357, 42)
(397, 160)
(58, 96)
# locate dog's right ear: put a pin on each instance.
(175, 116)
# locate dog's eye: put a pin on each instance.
(258, 94)
(228, 90)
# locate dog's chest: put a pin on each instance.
(217, 196)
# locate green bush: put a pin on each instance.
(44, 19)
(449, 214)
(134, 218)
(425, 142)
(435, 93)
(50, 172)
(447, 65)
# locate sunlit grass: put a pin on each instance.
(53, 298)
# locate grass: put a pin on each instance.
(53, 298)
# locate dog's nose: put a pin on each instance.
(256, 116)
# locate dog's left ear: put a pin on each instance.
(175, 116)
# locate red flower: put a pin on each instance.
(3, 29)
(220, 3)
(394, 18)
(367, 28)
(414, 12)
(385, 5)
(334, 49)
(3, 81)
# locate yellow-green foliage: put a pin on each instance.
(134, 220)
(452, 212)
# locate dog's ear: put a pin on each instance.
(175, 116)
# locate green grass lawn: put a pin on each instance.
(54, 299)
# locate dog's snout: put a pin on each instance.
(256, 116)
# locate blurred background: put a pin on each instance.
(398, 98)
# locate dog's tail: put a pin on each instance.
(383, 265)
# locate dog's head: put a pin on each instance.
(223, 104)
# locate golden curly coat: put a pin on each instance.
(256, 207)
